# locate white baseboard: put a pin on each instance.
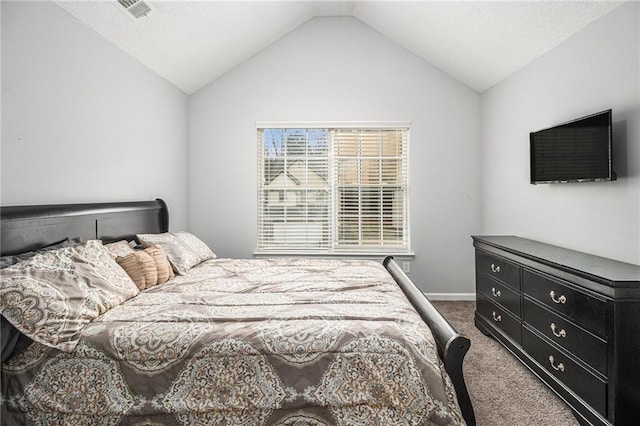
(451, 296)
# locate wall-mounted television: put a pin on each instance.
(576, 151)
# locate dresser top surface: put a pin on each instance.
(596, 266)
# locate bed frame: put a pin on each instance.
(26, 228)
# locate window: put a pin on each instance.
(333, 189)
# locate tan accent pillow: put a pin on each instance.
(165, 271)
(141, 267)
(119, 249)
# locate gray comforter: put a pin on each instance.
(244, 342)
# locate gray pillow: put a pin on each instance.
(6, 261)
(12, 342)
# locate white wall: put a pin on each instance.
(594, 70)
(339, 69)
(82, 121)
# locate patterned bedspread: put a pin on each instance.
(244, 342)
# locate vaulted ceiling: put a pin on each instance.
(191, 43)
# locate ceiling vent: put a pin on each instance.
(137, 8)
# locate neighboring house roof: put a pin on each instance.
(297, 172)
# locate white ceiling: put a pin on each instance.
(191, 43)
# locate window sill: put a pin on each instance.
(379, 256)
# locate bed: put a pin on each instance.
(234, 341)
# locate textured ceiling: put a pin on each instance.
(191, 43)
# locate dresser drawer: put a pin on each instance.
(586, 385)
(499, 317)
(498, 268)
(499, 293)
(586, 311)
(589, 348)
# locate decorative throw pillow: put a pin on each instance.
(165, 271)
(119, 287)
(197, 245)
(53, 295)
(141, 267)
(180, 255)
(6, 261)
(119, 249)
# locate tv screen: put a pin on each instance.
(577, 151)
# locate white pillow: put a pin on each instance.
(183, 250)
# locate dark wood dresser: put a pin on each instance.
(572, 318)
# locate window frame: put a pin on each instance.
(333, 250)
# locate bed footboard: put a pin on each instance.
(452, 346)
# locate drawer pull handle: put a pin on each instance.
(561, 333)
(559, 367)
(560, 299)
(496, 318)
(495, 292)
(495, 268)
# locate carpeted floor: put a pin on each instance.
(503, 391)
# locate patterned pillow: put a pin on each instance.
(119, 249)
(165, 271)
(6, 261)
(197, 245)
(53, 295)
(141, 267)
(183, 250)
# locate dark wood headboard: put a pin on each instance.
(26, 228)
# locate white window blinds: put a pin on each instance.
(332, 190)
(294, 188)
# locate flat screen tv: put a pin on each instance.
(577, 151)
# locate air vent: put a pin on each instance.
(137, 8)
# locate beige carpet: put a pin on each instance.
(503, 391)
